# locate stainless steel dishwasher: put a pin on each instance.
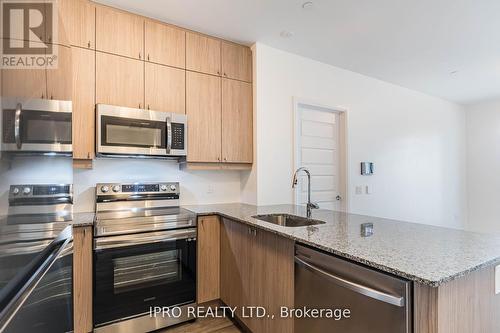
(378, 302)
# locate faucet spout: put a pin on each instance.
(310, 205)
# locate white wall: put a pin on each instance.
(416, 141)
(197, 187)
(483, 166)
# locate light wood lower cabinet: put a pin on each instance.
(237, 122)
(257, 269)
(165, 88)
(467, 304)
(83, 103)
(208, 282)
(119, 80)
(82, 279)
(203, 108)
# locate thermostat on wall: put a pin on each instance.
(366, 168)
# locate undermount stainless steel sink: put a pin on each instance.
(287, 220)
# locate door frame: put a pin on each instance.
(343, 145)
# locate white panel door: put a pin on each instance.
(317, 148)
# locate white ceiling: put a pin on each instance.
(412, 43)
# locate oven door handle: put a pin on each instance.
(169, 134)
(102, 243)
(17, 125)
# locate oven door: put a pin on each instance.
(136, 272)
(36, 126)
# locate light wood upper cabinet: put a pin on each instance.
(59, 79)
(237, 122)
(165, 44)
(236, 62)
(119, 32)
(30, 83)
(83, 103)
(203, 54)
(208, 260)
(79, 22)
(119, 81)
(203, 108)
(165, 88)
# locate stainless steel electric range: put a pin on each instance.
(144, 256)
(36, 259)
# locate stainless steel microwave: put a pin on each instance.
(131, 132)
(36, 126)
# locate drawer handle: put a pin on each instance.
(357, 288)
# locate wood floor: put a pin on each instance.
(205, 325)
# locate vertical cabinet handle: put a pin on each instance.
(88, 44)
(139, 55)
(148, 56)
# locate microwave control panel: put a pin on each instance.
(178, 136)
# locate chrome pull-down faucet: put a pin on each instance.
(310, 205)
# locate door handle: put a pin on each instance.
(338, 198)
(17, 125)
(169, 134)
(353, 286)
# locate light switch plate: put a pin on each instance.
(359, 190)
(497, 280)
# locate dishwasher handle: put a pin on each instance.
(358, 288)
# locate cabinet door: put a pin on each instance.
(208, 259)
(203, 54)
(236, 62)
(237, 120)
(119, 32)
(165, 44)
(79, 22)
(83, 103)
(235, 265)
(203, 108)
(119, 81)
(165, 88)
(25, 83)
(59, 78)
(272, 274)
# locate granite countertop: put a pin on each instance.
(422, 253)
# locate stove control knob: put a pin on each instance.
(16, 191)
(26, 191)
(163, 187)
(104, 189)
(116, 188)
(173, 188)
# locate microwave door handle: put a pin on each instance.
(169, 134)
(17, 125)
